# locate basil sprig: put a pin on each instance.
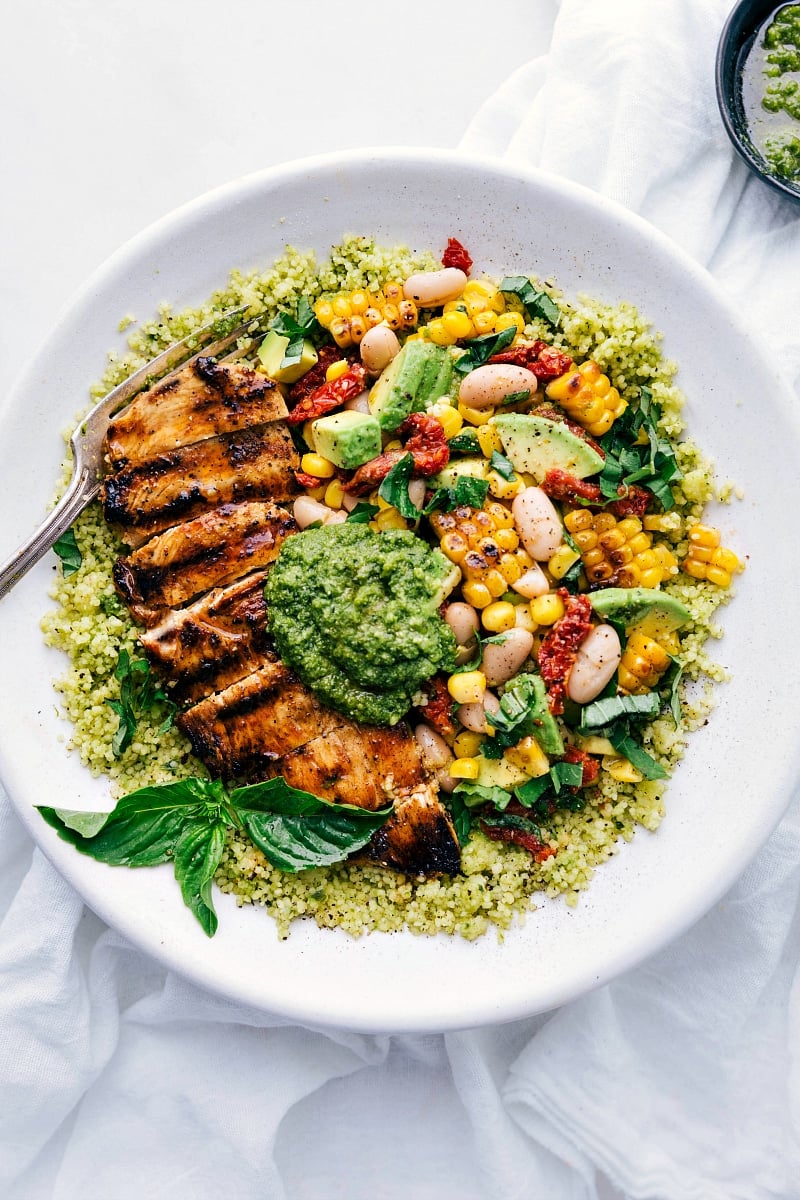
(536, 302)
(480, 349)
(186, 823)
(68, 551)
(297, 328)
(139, 692)
(652, 464)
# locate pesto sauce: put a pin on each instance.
(771, 92)
(355, 615)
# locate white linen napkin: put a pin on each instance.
(119, 1081)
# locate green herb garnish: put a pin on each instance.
(139, 692)
(523, 713)
(363, 513)
(504, 467)
(480, 350)
(652, 464)
(536, 302)
(186, 823)
(67, 550)
(304, 325)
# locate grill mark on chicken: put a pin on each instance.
(208, 551)
(418, 838)
(202, 400)
(214, 642)
(249, 464)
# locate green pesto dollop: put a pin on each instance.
(355, 615)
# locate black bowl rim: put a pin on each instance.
(726, 49)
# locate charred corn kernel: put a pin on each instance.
(315, 464)
(643, 663)
(586, 394)
(503, 517)
(509, 568)
(621, 770)
(391, 315)
(358, 327)
(507, 319)
(373, 316)
(368, 307)
(455, 546)
(505, 489)
(340, 332)
(467, 744)
(475, 416)
(465, 768)
(467, 687)
(499, 617)
(547, 609)
(458, 325)
(449, 418)
(495, 582)
(334, 494)
(619, 553)
(489, 440)
(408, 314)
(564, 558)
(393, 291)
(323, 311)
(337, 369)
(523, 618)
(484, 322)
(477, 594)
(390, 518)
(529, 757)
(709, 560)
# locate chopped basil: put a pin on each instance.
(504, 820)
(186, 823)
(474, 795)
(652, 464)
(516, 397)
(363, 513)
(566, 774)
(297, 328)
(672, 681)
(604, 711)
(536, 303)
(462, 818)
(465, 442)
(394, 488)
(480, 350)
(498, 462)
(67, 550)
(139, 692)
(468, 491)
(625, 745)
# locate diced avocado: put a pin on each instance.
(653, 613)
(499, 772)
(409, 383)
(546, 730)
(347, 438)
(271, 352)
(449, 475)
(536, 445)
(437, 378)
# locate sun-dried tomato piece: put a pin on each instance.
(330, 396)
(427, 444)
(565, 488)
(518, 837)
(368, 476)
(438, 712)
(315, 376)
(545, 361)
(307, 481)
(591, 767)
(456, 256)
(560, 646)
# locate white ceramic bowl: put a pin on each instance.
(735, 781)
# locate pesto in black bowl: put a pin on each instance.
(758, 89)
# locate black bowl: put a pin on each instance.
(735, 42)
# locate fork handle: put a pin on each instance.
(82, 488)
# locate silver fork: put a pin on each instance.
(87, 442)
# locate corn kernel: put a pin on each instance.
(507, 319)
(705, 536)
(507, 539)
(334, 494)
(358, 327)
(547, 609)
(718, 576)
(449, 418)
(438, 332)
(477, 594)
(359, 302)
(337, 369)
(314, 464)
(475, 416)
(390, 518)
(323, 311)
(564, 558)
(340, 332)
(489, 441)
(465, 768)
(495, 582)
(457, 324)
(523, 618)
(503, 517)
(467, 687)
(467, 744)
(499, 617)
(529, 757)
(484, 322)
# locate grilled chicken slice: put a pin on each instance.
(250, 464)
(418, 838)
(214, 642)
(209, 551)
(203, 400)
(240, 731)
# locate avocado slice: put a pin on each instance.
(499, 772)
(271, 352)
(475, 468)
(651, 612)
(536, 445)
(413, 379)
(347, 439)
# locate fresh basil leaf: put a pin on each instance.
(465, 442)
(462, 818)
(394, 488)
(672, 681)
(566, 774)
(468, 491)
(523, 712)
(480, 349)
(66, 547)
(474, 795)
(604, 711)
(536, 303)
(362, 514)
(624, 744)
(504, 467)
(532, 790)
(513, 821)
(196, 856)
(139, 692)
(515, 397)
(296, 830)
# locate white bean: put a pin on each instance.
(349, 501)
(464, 622)
(473, 716)
(596, 661)
(434, 749)
(335, 517)
(532, 583)
(431, 288)
(488, 386)
(359, 403)
(538, 524)
(416, 492)
(307, 511)
(502, 660)
(446, 781)
(379, 346)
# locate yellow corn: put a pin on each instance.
(564, 558)
(348, 315)
(315, 464)
(709, 560)
(547, 609)
(587, 395)
(499, 617)
(476, 594)
(467, 687)
(484, 322)
(505, 489)
(642, 665)
(523, 618)
(621, 770)
(337, 369)
(619, 553)
(465, 768)
(448, 417)
(475, 416)
(507, 319)
(467, 744)
(389, 518)
(529, 757)
(489, 440)
(458, 325)
(334, 494)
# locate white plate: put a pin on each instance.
(735, 782)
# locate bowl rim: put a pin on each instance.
(726, 51)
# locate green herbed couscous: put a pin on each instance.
(532, 815)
